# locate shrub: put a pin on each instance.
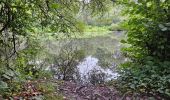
(148, 37)
(151, 77)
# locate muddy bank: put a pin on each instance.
(73, 91)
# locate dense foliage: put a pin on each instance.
(22, 22)
(148, 36)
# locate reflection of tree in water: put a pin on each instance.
(66, 61)
(104, 56)
(72, 52)
(108, 59)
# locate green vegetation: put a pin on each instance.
(87, 32)
(23, 24)
(49, 90)
(116, 27)
(29, 27)
(148, 35)
(93, 31)
(102, 29)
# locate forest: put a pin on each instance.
(84, 49)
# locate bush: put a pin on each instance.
(148, 37)
(152, 77)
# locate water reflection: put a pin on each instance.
(91, 63)
(102, 55)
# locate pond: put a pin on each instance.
(101, 54)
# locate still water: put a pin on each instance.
(102, 53)
(91, 63)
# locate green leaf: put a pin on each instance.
(55, 5)
(162, 1)
(3, 85)
(132, 86)
(149, 4)
(167, 24)
(6, 76)
(123, 41)
(162, 47)
(162, 27)
(9, 73)
(150, 63)
(167, 91)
